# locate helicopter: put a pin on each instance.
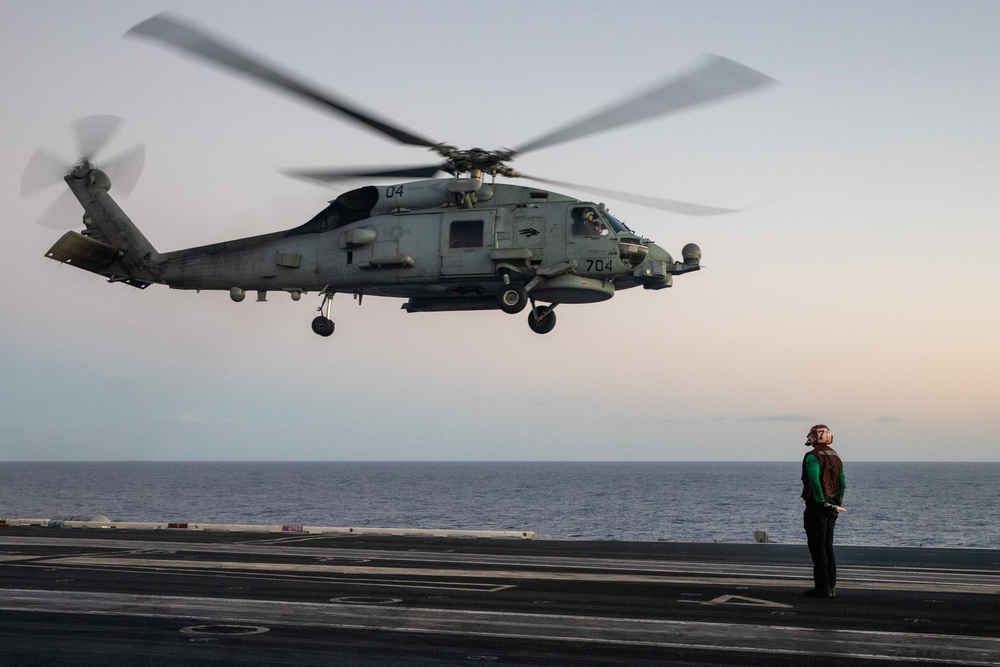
(453, 243)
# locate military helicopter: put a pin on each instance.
(443, 244)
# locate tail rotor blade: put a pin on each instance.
(93, 133)
(125, 169)
(64, 213)
(42, 171)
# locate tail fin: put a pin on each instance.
(111, 245)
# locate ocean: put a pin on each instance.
(889, 504)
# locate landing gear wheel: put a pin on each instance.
(513, 299)
(322, 326)
(541, 319)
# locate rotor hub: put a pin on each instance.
(477, 159)
(82, 168)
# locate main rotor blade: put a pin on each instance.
(671, 205)
(333, 175)
(125, 169)
(186, 37)
(93, 132)
(42, 171)
(716, 78)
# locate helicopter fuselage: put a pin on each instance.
(443, 244)
(384, 241)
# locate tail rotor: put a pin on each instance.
(92, 135)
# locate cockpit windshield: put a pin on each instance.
(616, 224)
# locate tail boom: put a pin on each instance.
(111, 245)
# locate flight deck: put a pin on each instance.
(97, 596)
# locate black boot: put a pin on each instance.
(820, 593)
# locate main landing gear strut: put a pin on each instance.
(541, 319)
(323, 325)
(513, 299)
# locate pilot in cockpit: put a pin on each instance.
(587, 223)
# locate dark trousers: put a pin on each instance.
(819, 522)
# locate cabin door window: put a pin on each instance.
(466, 234)
(467, 237)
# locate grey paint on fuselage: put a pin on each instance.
(446, 244)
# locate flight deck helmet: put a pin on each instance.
(819, 434)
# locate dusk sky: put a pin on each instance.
(859, 286)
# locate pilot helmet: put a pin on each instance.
(819, 434)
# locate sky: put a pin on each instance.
(858, 287)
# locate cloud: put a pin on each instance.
(886, 419)
(568, 400)
(186, 419)
(791, 417)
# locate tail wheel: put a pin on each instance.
(541, 319)
(322, 326)
(513, 299)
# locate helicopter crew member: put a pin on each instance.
(823, 486)
(586, 223)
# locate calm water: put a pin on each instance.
(930, 504)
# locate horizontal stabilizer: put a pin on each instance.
(89, 254)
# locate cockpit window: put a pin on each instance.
(587, 222)
(616, 224)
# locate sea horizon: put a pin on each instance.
(923, 503)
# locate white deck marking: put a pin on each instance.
(740, 600)
(655, 573)
(757, 639)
